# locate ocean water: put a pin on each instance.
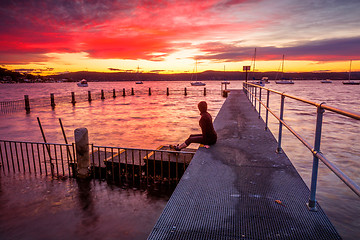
(149, 121)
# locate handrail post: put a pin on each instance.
(255, 90)
(267, 109)
(279, 149)
(319, 117)
(259, 103)
(252, 94)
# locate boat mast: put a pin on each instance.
(224, 73)
(196, 70)
(282, 66)
(350, 70)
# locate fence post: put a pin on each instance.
(114, 93)
(319, 117)
(167, 92)
(185, 93)
(132, 91)
(124, 94)
(149, 91)
(73, 98)
(89, 96)
(204, 91)
(102, 94)
(27, 103)
(279, 150)
(82, 152)
(52, 98)
(267, 109)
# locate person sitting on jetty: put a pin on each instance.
(208, 136)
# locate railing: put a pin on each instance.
(253, 91)
(40, 158)
(120, 165)
(138, 166)
(28, 103)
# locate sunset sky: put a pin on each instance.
(54, 36)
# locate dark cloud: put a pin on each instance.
(115, 69)
(157, 71)
(321, 50)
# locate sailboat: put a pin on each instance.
(225, 82)
(137, 75)
(283, 81)
(350, 82)
(196, 83)
(261, 82)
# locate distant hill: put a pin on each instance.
(202, 76)
(11, 76)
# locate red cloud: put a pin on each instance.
(106, 29)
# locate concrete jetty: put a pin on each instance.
(241, 188)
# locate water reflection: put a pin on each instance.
(89, 215)
(150, 121)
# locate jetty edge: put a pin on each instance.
(240, 188)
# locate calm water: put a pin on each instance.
(149, 121)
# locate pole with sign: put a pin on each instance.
(246, 69)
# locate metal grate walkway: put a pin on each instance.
(231, 190)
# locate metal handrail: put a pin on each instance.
(315, 150)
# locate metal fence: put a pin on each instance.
(116, 164)
(52, 159)
(254, 93)
(52, 101)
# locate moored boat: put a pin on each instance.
(351, 82)
(326, 81)
(198, 84)
(82, 83)
(284, 82)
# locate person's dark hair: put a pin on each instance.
(202, 106)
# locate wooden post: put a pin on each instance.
(52, 98)
(89, 96)
(124, 94)
(82, 152)
(132, 91)
(27, 103)
(167, 92)
(73, 98)
(185, 93)
(102, 94)
(114, 93)
(204, 91)
(149, 91)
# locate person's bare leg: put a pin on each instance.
(183, 145)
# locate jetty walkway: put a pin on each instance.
(241, 188)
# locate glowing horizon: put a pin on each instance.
(167, 37)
